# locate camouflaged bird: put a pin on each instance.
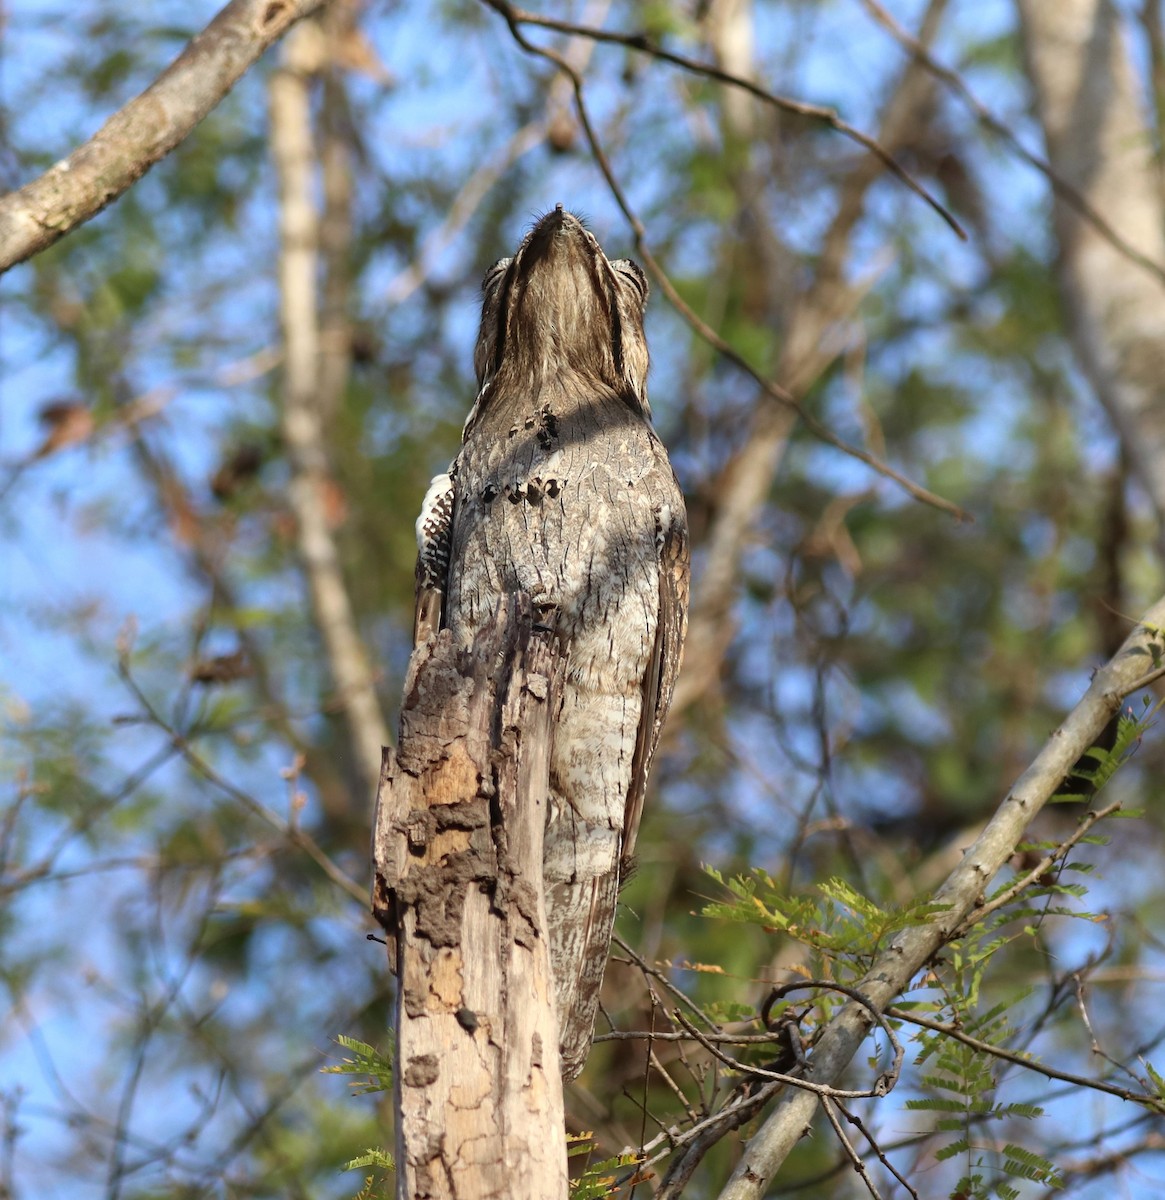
(563, 490)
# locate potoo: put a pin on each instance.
(562, 490)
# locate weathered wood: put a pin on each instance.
(457, 861)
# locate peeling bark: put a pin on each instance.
(457, 865)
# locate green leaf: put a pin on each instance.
(371, 1064)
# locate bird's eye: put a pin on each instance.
(632, 272)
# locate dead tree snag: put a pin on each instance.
(457, 862)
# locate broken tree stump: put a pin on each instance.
(457, 885)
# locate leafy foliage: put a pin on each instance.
(371, 1067)
(600, 1179)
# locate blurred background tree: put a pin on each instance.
(223, 399)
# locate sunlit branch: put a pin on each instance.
(145, 130)
(894, 969)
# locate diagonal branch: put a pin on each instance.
(893, 971)
(145, 130)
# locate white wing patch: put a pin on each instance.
(434, 527)
(434, 545)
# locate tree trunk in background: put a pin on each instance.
(457, 860)
(302, 420)
(1089, 103)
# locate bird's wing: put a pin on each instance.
(671, 535)
(434, 543)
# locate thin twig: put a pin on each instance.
(1145, 681)
(850, 1153)
(770, 388)
(1070, 195)
(684, 1165)
(1097, 1049)
(748, 1069)
(1025, 881)
(813, 112)
(947, 1029)
(655, 973)
(854, 1119)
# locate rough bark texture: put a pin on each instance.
(1089, 104)
(457, 859)
(145, 130)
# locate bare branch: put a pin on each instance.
(850, 1153)
(1040, 869)
(947, 1029)
(877, 1150)
(145, 130)
(814, 112)
(893, 970)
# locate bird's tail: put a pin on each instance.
(581, 874)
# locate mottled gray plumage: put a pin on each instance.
(563, 490)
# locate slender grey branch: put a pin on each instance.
(875, 1149)
(145, 130)
(850, 1153)
(1025, 881)
(894, 969)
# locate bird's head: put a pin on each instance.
(558, 305)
